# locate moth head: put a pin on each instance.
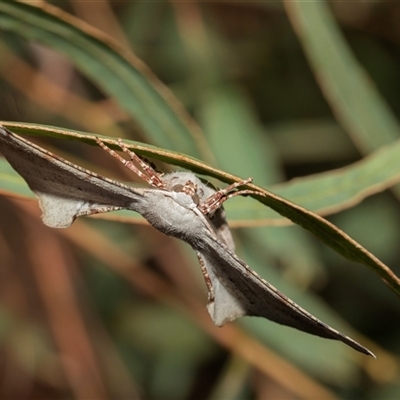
(189, 184)
(188, 188)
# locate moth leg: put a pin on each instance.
(99, 210)
(149, 175)
(211, 295)
(215, 201)
(153, 177)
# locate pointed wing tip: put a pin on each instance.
(357, 346)
(370, 353)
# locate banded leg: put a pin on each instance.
(148, 174)
(100, 210)
(218, 198)
(210, 289)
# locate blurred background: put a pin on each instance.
(113, 310)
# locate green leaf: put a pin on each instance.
(236, 136)
(117, 71)
(323, 193)
(339, 189)
(352, 95)
(321, 228)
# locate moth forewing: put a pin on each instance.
(259, 298)
(65, 190)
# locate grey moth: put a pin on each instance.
(178, 204)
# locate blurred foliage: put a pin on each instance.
(111, 310)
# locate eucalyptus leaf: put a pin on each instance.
(116, 70)
(321, 228)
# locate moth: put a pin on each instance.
(178, 204)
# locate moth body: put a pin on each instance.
(178, 204)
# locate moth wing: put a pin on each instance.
(65, 190)
(223, 305)
(221, 227)
(239, 291)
